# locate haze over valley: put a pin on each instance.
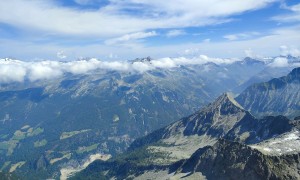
(105, 89)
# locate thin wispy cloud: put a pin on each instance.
(239, 36)
(176, 32)
(61, 55)
(31, 29)
(130, 37)
(206, 40)
(86, 2)
(292, 16)
(113, 19)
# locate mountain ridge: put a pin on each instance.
(113, 108)
(277, 96)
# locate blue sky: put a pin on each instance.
(119, 29)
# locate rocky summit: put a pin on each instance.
(221, 141)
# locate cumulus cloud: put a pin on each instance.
(43, 70)
(80, 67)
(11, 71)
(279, 62)
(286, 50)
(61, 55)
(18, 71)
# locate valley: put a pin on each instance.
(39, 120)
(149, 90)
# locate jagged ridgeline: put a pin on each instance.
(221, 141)
(53, 128)
(275, 97)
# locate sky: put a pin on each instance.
(126, 29)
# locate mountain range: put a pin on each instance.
(274, 97)
(58, 126)
(221, 141)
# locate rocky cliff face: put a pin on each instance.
(232, 160)
(221, 141)
(277, 96)
(224, 118)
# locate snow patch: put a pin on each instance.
(267, 149)
(292, 136)
(288, 143)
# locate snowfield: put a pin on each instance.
(288, 143)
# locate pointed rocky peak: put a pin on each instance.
(226, 98)
(143, 60)
(5, 59)
(251, 61)
(225, 104)
(295, 73)
(291, 58)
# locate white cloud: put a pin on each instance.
(11, 72)
(113, 19)
(80, 67)
(176, 32)
(112, 56)
(130, 37)
(113, 23)
(191, 52)
(233, 37)
(280, 62)
(286, 50)
(275, 38)
(18, 71)
(249, 53)
(61, 55)
(44, 70)
(293, 16)
(141, 67)
(206, 40)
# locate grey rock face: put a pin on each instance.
(277, 96)
(237, 150)
(224, 118)
(232, 160)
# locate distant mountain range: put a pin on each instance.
(277, 96)
(63, 124)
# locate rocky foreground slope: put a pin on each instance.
(221, 141)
